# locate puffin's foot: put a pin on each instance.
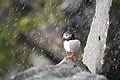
(67, 57)
(71, 57)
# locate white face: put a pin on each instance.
(67, 35)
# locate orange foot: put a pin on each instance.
(71, 57)
(67, 57)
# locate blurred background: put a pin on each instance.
(31, 29)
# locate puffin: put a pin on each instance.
(71, 44)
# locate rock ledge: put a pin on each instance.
(65, 70)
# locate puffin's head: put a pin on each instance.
(67, 36)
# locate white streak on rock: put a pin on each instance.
(94, 50)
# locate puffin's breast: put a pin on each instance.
(72, 45)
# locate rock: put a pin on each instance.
(88, 2)
(111, 67)
(70, 5)
(79, 16)
(36, 6)
(37, 60)
(96, 42)
(10, 74)
(48, 39)
(66, 70)
(5, 12)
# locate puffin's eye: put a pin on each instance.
(66, 35)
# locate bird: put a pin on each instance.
(71, 44)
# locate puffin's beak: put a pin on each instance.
(63, 39)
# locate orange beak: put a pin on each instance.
(63, 39)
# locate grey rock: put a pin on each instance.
(66, 70)
(5, 12)
(48, 39)
(78, 16)
(10, 74)
(70, 5)
(29, 4)
(111, 67)
(96, 42)
(36, 60)
(81, 17)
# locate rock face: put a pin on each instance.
(66, 70)
(48, 39)
(111, 67)
(96, 42)
(79, 16)
(38, 60)
(70, 5)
